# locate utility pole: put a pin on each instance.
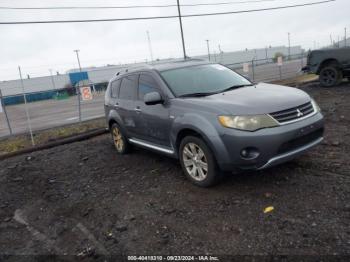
(2, 104)
(52, 80)
(77, 52)
(331, 40)
(26, 107)
(345, 37)
(182, 32)
(77, 89)
(338, 41)
(208, 49)
(150, 46)
(221, 53)
(288, 46)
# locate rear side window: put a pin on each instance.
(147, 84)
(128, 87)
(115, 88)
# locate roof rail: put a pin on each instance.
(150, 66)
(126, 70)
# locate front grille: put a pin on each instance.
(300, 141)
(294, 113)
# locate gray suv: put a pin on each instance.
(210, 118)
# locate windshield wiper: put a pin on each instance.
(198, 94)
(213, 93)
(234, 87)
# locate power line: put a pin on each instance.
(132, 6)
(162, 17)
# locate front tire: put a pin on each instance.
(120, 141)
(198, 162)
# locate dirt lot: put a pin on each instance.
(83, 199)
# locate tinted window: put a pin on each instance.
(115, 88)
(202, 79)
(128, 87)
(147, 84)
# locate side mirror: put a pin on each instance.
(153, 98)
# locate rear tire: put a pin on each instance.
(120, 141)
(330, 76)
(198, 162)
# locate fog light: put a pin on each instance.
(250, 153)
(244, 153)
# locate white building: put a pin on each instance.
(102, 75)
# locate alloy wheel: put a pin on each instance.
(195, 161)
(329, 77)
(118, 139)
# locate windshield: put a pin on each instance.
(202, 79)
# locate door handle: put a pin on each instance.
(116, 105)
(138, 109)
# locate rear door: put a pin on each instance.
(126, 103)
(152, 121)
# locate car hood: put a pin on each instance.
(261, 98)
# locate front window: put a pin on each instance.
(203, 80)
(146, 85)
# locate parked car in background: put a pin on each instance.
(210, 118)
(332, 65)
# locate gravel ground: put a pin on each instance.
(83, 199)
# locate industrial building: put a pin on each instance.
(47, 87)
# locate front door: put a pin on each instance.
(152, 121)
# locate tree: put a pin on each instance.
(277, 55)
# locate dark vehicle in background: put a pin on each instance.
(210, 118)
(332, 65)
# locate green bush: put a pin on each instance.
(278, 54)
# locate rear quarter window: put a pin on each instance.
(115, 88)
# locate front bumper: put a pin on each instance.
(291, 155)
(275, 145)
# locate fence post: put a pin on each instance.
(302, 59)
(253, 71)
(79, 102)
(5, 112)
(280, 69)
(26, 107)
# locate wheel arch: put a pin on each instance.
(327, 62)
(111, 122)
(193, 131)
(187, 131)
(114, 118)
(211, 138)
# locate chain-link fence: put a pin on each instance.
(59, 107)
(58, 111)
(266, 70)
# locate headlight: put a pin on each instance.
(315, 105)
(248, 123)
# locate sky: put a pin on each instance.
(37, 48)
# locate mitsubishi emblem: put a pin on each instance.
(300, 114)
